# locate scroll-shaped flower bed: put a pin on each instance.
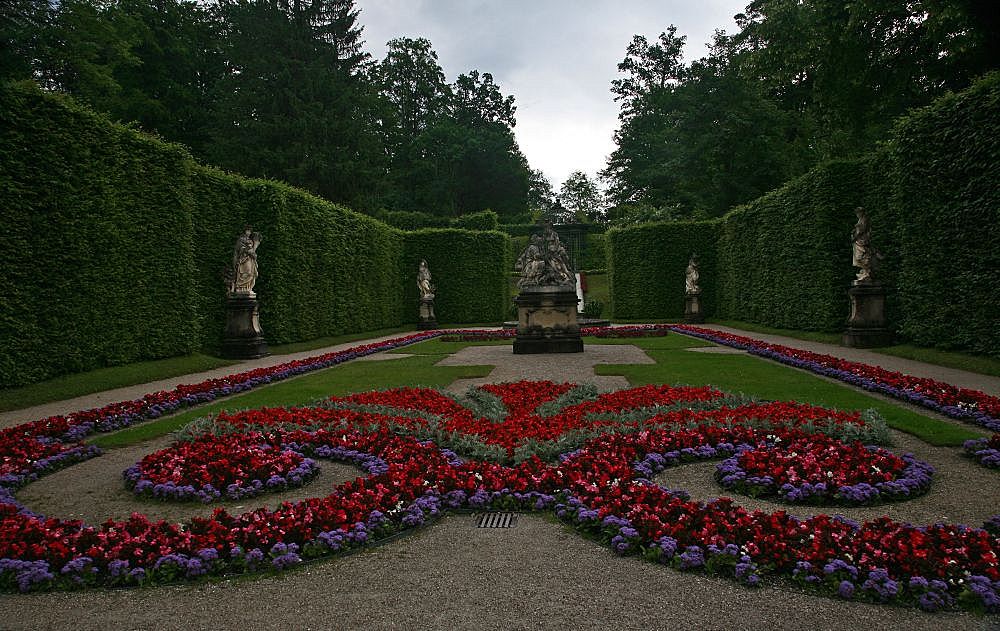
(818, 469)
(589, 457)
(209, 467)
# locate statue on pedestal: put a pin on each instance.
(692, 293)
(866, 325)
(427, 318)
(243, 338)
(547, 303)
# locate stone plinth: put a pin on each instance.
(866, 327)
(547, 321)
(692, 308)
(427, 317)
(243, 338)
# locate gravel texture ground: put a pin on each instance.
(453, 575)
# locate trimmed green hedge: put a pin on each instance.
(785, 258)
(469, 269)
(595, 254)
(96, 249)
(647, 266)
(946, 177)
(324, 270)
(114, 246)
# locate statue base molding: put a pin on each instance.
(547, 321)
(692, 308)
(243, 338)
(866, 327)
(427, 318)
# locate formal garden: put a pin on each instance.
(228, 400)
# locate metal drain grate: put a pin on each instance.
(496, 520)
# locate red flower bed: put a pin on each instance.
(235, 465)
(601, 488)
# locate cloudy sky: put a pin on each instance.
(557, 57)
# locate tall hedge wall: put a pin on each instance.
(946, 173)
(114, 244)
(647, 264)
(785, 258)
(96, 249)
(468, 268)
(324, 270)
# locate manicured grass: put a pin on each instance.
(355, 376)
(950, 359)
(811, 336)
(323, 342)
(768, 380)
(438, 347)
(69, 386)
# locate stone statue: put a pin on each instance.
(560, 269)
(531, 263)
(863, 254)
(545, 262)
(242, 275)
(691, 276)
(424, 281)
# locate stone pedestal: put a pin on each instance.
(427, 318)
(547, 321)
(866, 327)
(243, 338)
(692, 308)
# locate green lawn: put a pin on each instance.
(674, 364)
(765, 379)
(69, 386)
(355, 376)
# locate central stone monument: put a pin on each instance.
(547, 302)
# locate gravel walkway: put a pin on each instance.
(452, 575)
(557, 367)
(962, 378)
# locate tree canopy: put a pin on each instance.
(800, 83)
(283, 89)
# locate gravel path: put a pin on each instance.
(452, 575)
(961, 492)
(557, 367)
(94, 491)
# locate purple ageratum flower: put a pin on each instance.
(668, 547)
(620, 545)
(692, 557)
(987, 591)
(846, 590)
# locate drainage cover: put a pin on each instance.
(496, 520)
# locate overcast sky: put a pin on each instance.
(557, 57)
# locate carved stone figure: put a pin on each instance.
(863, 254)
(424, 281)
(242, 275)
(545, 262)
(531, 263)
(691, 276)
